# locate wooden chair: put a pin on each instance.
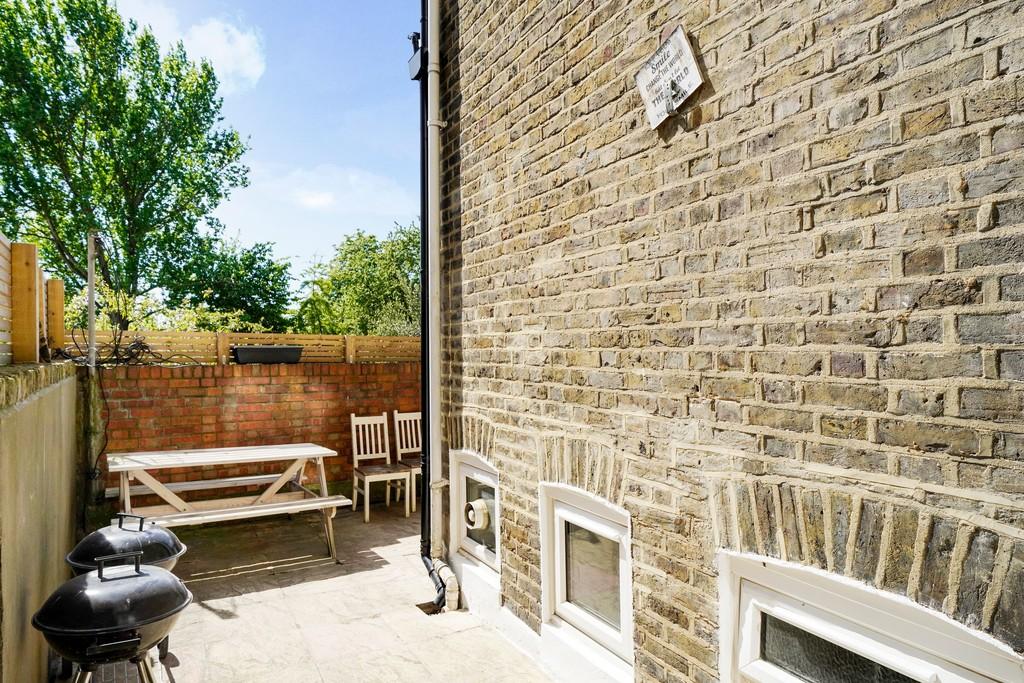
(370, 444)
(408, 438)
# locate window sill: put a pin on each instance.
(568, 651)
(479, 583)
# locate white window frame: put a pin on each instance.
(560, 504)
(468, 464)
(886, 628)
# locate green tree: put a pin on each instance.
(224, 276)
(370, 286)
(101, 133)
(151, 314)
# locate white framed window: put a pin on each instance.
(785, 623)
(586, 586)
(475, 508)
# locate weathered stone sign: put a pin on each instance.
(669, 77)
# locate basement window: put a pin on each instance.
(783, 623)
(475, 508)
(793, 652)
(586, 571)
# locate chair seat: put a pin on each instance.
(411, 463)
(375, 470)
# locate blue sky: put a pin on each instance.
(322, 91)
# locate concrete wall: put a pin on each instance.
(153, 408)
(791, 320)
(38, 492)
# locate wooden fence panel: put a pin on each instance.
(210, 347)
(169, 346)
(25, 303)
(55, 313)
(385, 349)
(31, 306)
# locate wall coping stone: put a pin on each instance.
(19, 382)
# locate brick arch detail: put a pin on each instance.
(958, 567)
(470, 432)
(586, 464)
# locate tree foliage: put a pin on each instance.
(100, 132)
(148, 313)
(370, 286)
(224, 276)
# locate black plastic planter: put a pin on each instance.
(257, 353)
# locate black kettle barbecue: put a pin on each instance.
(159, 546)
(113, 614)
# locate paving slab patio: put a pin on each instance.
(270, 606)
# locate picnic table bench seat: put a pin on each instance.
(223, 514)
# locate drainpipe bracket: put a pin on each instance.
(438, 484)
(435, 122)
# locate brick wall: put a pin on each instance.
(154, 408)
(791, 319)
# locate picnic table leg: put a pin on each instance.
(159, 489)
(321, 472)
(126, 494)
(329, 533)
(322, 476)
(290, 473)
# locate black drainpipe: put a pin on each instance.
(418, 72)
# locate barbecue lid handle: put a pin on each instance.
(122, 515)
(101, 561)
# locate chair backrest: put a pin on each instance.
(407, 433)
(370, 438)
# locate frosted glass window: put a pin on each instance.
(478, 490)
(817, 660)
(592, 573)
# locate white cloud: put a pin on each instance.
(235, 51)
(311, 199)
(236, 54)
(153, 13)
(306, 211)
(332, 189)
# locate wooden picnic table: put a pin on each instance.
(175, 511)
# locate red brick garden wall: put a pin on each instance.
(158, 408)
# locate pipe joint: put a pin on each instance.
(451, 585)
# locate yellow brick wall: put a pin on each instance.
(791, 319)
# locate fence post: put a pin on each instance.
(43, 321)
(24, 303)
(222, 348)
(350, 349)
(55, 313)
